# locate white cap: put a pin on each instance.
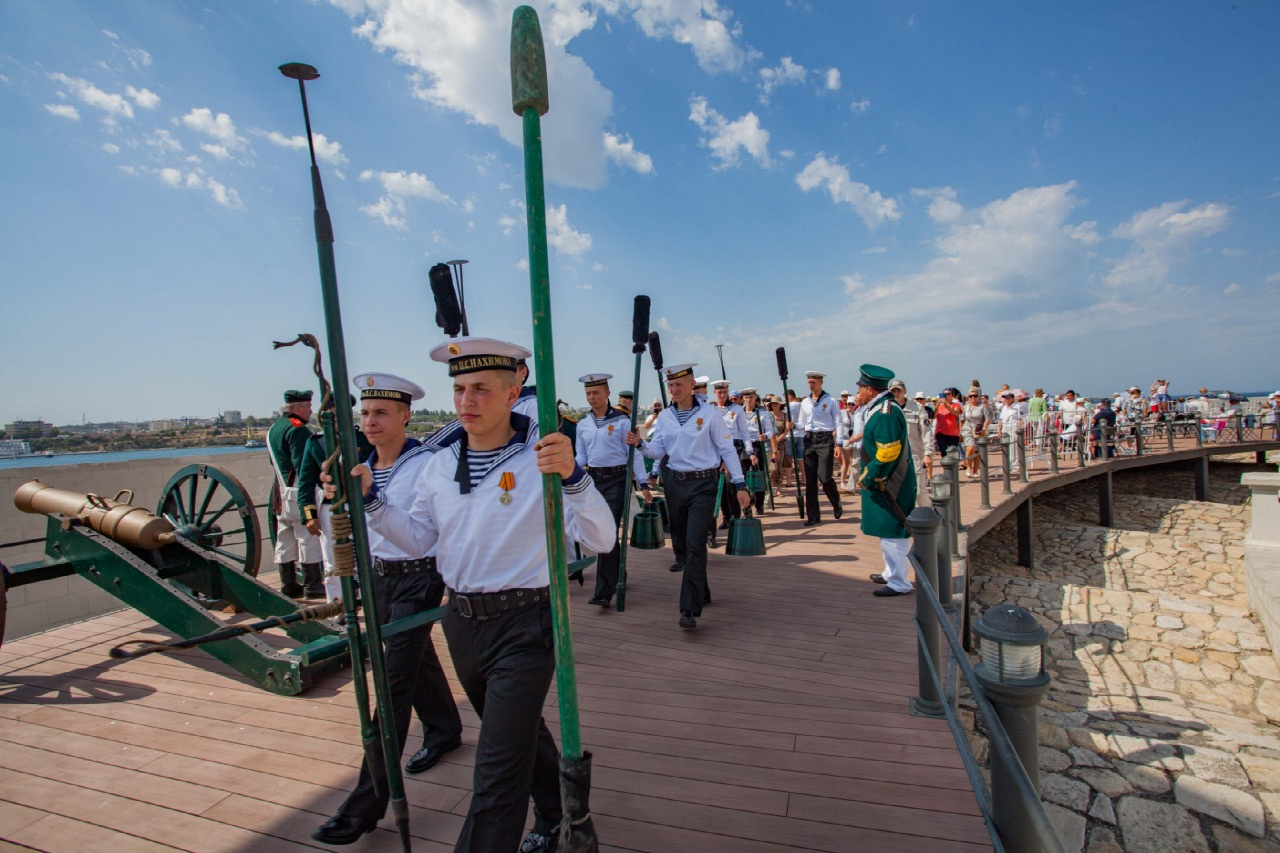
(814, 374)
(386, 386)
(593, 379)
(675, 371)
(920, 395)
(468, 355)
(746, 391)
(1275, 393)
(720, 383)
(845, 393)
(701, 380)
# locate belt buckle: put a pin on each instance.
(378, 566)
(463, 605)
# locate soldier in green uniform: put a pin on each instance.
(286, 446)
(888, 478)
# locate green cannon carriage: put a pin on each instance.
(186, 566)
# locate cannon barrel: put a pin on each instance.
(129, 525)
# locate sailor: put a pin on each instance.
(919, 435)
(818, 423)
(735, 418)
(526, 404)
(602, 450)
(406, 582)
(314, 506)
(761, 428)
(286, 446)
(700, 387)
(695, 438)
(479, 505)
(888, 478)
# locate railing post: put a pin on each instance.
(941, 496)
(1106, 500)
(1082, 439)
(984, 471)
(1137, 438)
(1202, 478)
(956, 459)
(923, 523)
(1239, 428)
(1168, 416)
(1007, 488)
(1025, 550)
(1051, 436)
(1012, 675)
(1021, 438)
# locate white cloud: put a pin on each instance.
(728, 139)
(787, 73)
(64, 111)
(701, 24)
(833, 79)
(1052, 126)
(1274, 278)
(943, 207)
(110, 148)
(327, 151)
(163, 140)
(195, 179)
(834, 177)
(1162, 239)
(219, 126)
(171, 176)
(392, 207)
(860, 106)
(1231, 288)
(111, 103)
(883, 149)
(664, 324)
(562, 236)
(218, 152)
(621, 150)
(875, 250)
(144, 98)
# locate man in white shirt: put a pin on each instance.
(735, 418)
(818, 421)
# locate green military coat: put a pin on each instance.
(312, 462)
(287, 439)
(886, 458)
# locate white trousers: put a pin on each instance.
(293, 543)
(897, 567)
(332, 586)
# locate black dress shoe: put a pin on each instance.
(687, 621)
(598, 600)
(877, 578)
(885, 592)
(724, 525)
(429, 756)
(676, 567)
(811, 522)
(838, 511)
(343, 829)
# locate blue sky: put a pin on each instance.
(1048, 195)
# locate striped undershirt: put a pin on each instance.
(683, 415)
(479, 462)
(380, 478)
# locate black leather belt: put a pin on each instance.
(819, 437)
(486, 605)
(606, 472)
(394, 568)
(692, 475)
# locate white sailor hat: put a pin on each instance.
(386, 386)
(701, 381)
(468, 355)
(814, 374)
(749, 392)
(591, 380)
(845, 393)
(677, 371)
(720, 383)
(920, 395)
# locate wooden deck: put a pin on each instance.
(780, 724)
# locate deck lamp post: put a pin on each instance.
(941, 494)
(1012, 674)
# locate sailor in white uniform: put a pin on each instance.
(602, 450)
(696, 441)
(735, 418)
(818, 422)
(761, 431)
(479, 504)
(406, 583)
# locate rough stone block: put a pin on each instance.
(1150, 827)
(1227, 804)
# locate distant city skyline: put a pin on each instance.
(1049, 195)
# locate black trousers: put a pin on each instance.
(505, 665)
(761, 456)
(818, 463)
(691, 505)
(417, 682)
(613, 490)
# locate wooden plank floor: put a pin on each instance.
(780, 724)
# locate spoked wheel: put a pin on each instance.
(213, 509)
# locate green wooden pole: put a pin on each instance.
(764, 457)
(529, 100)
(347, 460)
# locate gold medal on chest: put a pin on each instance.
(504, 498)
(699, 424)
(506, 482)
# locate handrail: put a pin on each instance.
(1028, 799)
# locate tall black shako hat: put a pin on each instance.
(874, 376)
(387, 386)
(470, 355)
(298, 396)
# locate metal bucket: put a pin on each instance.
(646, 531)
(658, 505)
(746, 538)
(756, 482)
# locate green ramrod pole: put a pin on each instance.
(796, 461)
(764, 457)
(639, 337)
(529, 99)
(347, 460)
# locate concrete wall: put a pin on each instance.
(1262, 554)
(39, 606)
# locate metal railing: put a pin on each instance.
(1015, 815)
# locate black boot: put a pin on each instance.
(313, 577)
(289, 580)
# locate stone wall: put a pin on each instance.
(39, 606)
(1262, 552)
(1159, 730)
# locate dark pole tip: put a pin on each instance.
(528, 63)
(299, 71)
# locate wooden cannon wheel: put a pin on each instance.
(212, 509)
